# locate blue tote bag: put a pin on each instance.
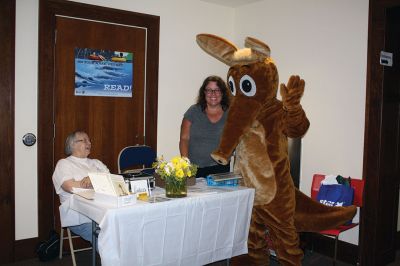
(336, 195)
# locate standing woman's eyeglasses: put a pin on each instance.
(211, 91)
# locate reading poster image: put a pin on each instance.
(103, 73)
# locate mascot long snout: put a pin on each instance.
(239, 120)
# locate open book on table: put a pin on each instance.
(84, 192)
(109, 184)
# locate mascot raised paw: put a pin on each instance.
(257, 127)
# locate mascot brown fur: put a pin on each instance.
(257, 126)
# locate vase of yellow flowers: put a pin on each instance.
(175, 173)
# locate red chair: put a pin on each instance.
(358, 185)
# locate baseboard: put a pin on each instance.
(325, 245)
(25, 249)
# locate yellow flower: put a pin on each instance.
(178, 167)
(179, 173)
(175, 160)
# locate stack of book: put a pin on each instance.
(224, 179)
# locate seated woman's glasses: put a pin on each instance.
(83, 140)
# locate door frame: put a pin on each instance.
(48, 10)
(7, 133)
(372, 226)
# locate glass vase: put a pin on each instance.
(175, 188)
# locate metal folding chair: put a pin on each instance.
(70, 236)
(135, 157)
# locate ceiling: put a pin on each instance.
(231, 3)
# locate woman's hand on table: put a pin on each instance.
(85, 183)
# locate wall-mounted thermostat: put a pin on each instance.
(29, 139)
(386, 59)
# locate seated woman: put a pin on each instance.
(72, 172)
(202, 126)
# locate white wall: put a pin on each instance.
(26, 59)
(325, 42)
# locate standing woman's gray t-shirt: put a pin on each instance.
(204, 136)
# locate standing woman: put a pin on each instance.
(202, 126)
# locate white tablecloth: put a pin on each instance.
(207, 226)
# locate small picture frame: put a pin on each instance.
(141, 188)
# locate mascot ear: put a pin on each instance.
(217, 47)
(229, 54)
(258, 47)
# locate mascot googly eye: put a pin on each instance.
(248, 86)
(231, 84)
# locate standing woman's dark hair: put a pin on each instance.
(201, 98)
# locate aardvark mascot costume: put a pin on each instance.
(257, 126)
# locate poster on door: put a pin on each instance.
(103, 73)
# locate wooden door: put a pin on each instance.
(111, 122)
(390, 141)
